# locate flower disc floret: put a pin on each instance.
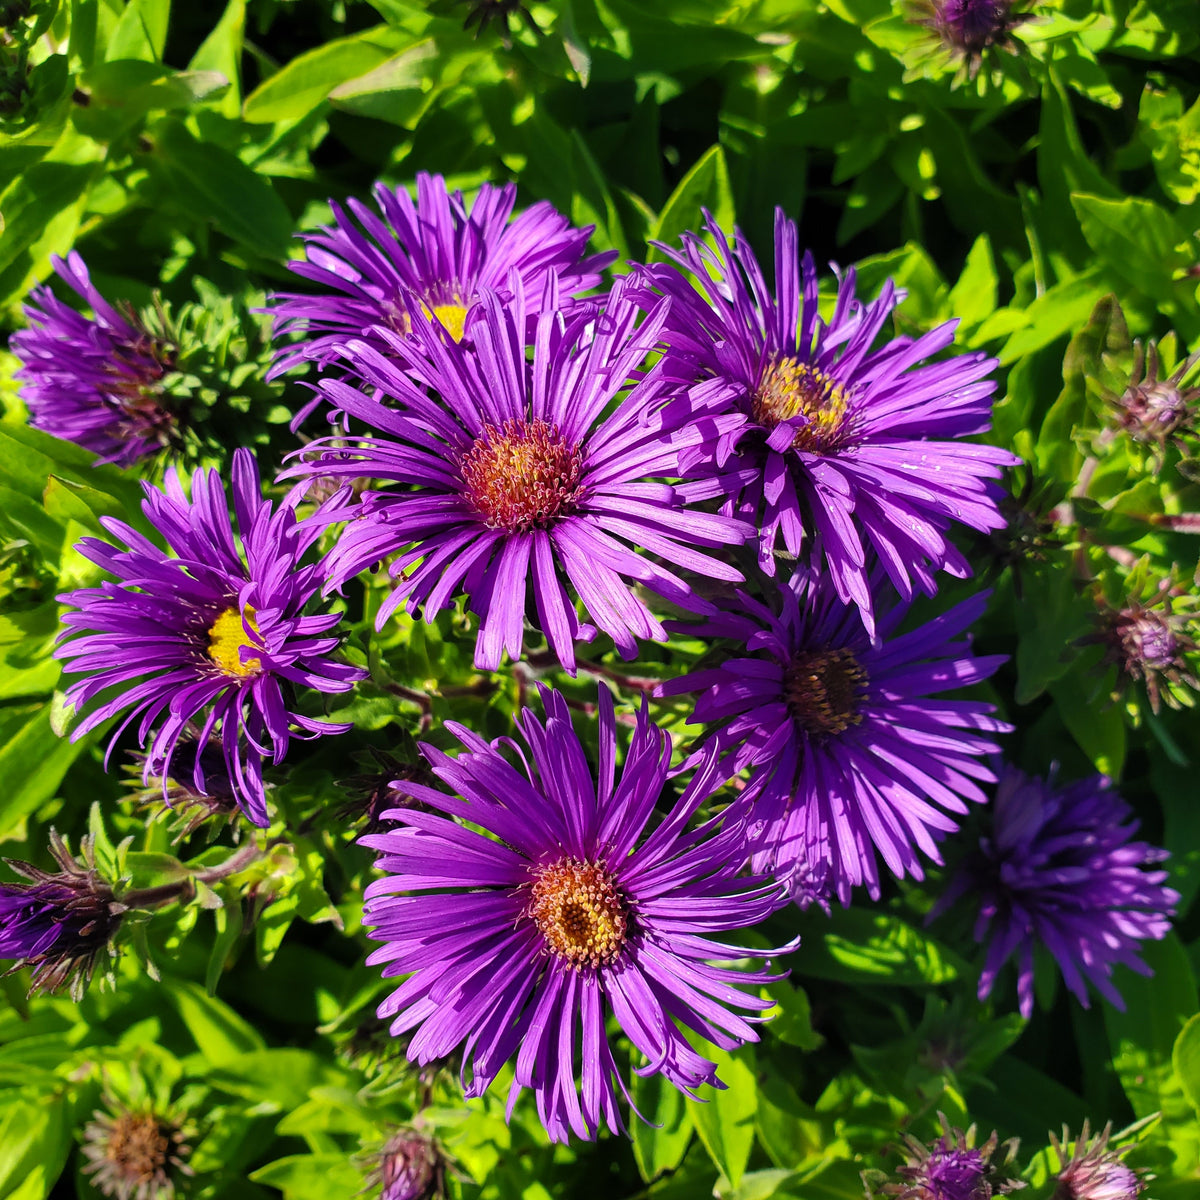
(205, 644)
(515, 480)
(827, 434)
(564, 903)
(851, 753)
(522, 476)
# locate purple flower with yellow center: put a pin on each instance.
(835, 438)
(215, 639)
(437, 254)
(564, 902)
(523, 477)
(851, 750)
(1059, 869)
(95, 381)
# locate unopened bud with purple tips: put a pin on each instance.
(1093, 1171)
(58, 923)
(408, 1166)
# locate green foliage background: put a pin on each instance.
(179, 148)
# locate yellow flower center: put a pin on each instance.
(579, 911)
(226, 638)
(791, 389)
(823, 690)
(452, 316)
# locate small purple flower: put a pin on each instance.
(951, 1167)
(967, 29)
(519, 474)
(213, 639)
(850, 751)
(94, 381)
(562, 904)
(832, 436)
(1059, 869)
(58, 923)
(1092, 1171)
(408, 1166)
(435, 254)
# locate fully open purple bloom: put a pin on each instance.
(517, 474)
(95, 380)
(853, 443)
(436, 253)
(564, 902)
(851, 751)
(1059, 869)
(210, 643)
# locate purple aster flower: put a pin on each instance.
(967, 29)
(58, 923)
(563, 903)
(850, 749)
(1059, 869)
(836, 437)
(1092, 1171)
(437, 254)
(523, 473)
(215, 638)
(951, 1167)
(94, 381)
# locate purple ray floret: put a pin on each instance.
(517, 477)
(94, 380)
(851, 441)
(1058, 869)
(566, 903)
(850, 748)
(210, 642)
(435, 252)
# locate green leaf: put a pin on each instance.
(222, 51)
(307, 80)
(1143, 1037)
(791, 1019)
(141, 32)
(973, 298)
(725, 1118)
(312, 1176)
(660, 1145)
(68, 501)
(222, 1036)
(1095, 722)
(1050, 618)
(706, 185)
(280, 1077)
(35, 1138)
(32, 765)
(217, 186)
(861, 946)
(1135, 238)
(1185, 1059)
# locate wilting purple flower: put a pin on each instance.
(436, 255)
(213, 639)
(519, 473)
(135, 1153)
(571, 904)
(95, 381)
(837, 438)
(849, 749)
(951, 1167)
(1059, 869)
(1092, 1171)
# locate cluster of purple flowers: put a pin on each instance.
(566, 461)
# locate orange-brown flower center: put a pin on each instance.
(579, 911)
(791, 388)
(139, 1146)
(523, 475)
(823, 690)
(227, 636)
